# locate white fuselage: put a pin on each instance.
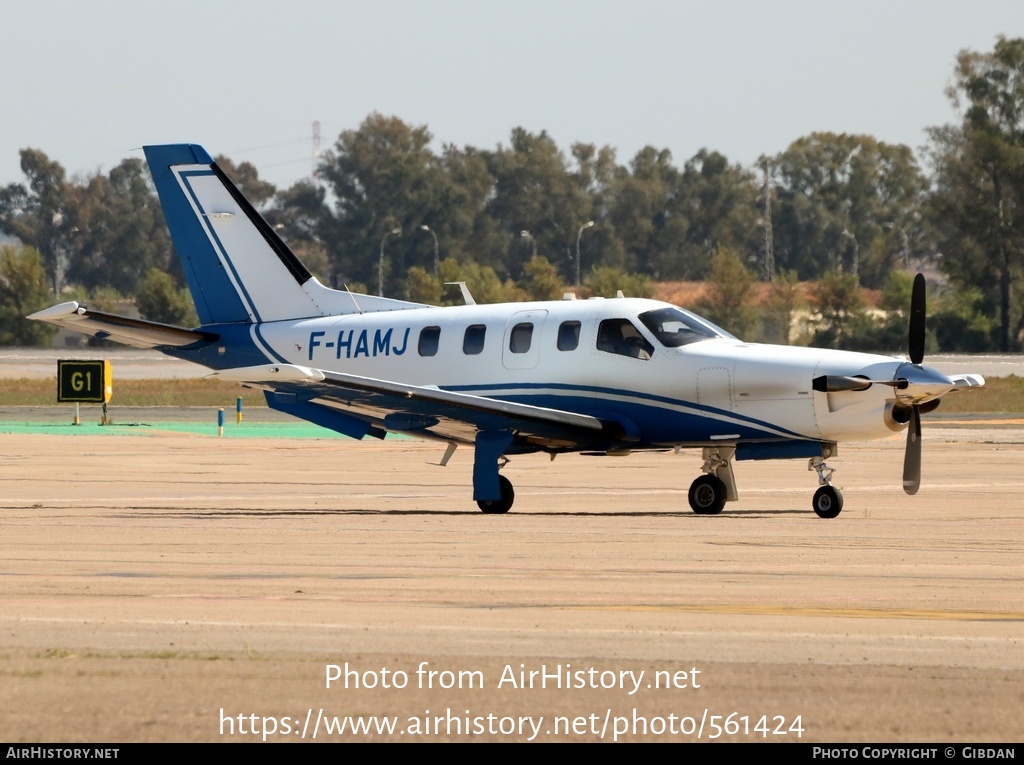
(716, 388)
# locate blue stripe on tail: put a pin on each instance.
(215, 297)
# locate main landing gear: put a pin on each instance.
(707, 495)
(709, 492)
(503, 505)
(493, 492)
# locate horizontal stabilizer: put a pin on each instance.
(109, 326)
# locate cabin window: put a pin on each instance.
(429, 337)
(568, 335)
(620, 337)
(520, 338)
(473, 342)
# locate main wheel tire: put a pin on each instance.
(707, 495)
(503, 505)
(828, 502)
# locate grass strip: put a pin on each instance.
(1000, 394)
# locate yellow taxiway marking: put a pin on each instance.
(852, 613)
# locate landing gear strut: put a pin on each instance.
(828, 500)
(493, 492)
(709, 492)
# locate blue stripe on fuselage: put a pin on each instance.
(266, 346)
(647, 410)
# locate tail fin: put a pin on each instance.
(238, 268)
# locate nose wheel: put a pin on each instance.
(828, 501)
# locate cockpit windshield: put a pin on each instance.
(674, 327)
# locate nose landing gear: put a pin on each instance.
(828, 500)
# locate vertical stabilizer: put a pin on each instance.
(238, 268)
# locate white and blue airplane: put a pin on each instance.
(598, 376)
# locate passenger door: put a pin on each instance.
(521, 345)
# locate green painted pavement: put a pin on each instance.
(298, 429)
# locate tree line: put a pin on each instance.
(389, 214)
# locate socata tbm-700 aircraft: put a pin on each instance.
(592, 376)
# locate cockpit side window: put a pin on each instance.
(673, 327)
(620, 337)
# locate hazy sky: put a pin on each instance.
(89, 82)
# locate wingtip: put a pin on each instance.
(968, 381)
(55, 312)
(271, 373)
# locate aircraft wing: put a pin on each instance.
(359, 406)
(110, 326)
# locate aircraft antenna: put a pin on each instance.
(361, 311)
(467, 296)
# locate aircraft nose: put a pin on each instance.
(916, 384)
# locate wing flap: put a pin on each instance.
(424, 410)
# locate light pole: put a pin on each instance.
(856, 253)
(579, 234)
(57, 240)
(768, 261)
(849, 159)
(848, 167)
(437, 261)
(380, 263)
(527, 235)
(906, 243)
